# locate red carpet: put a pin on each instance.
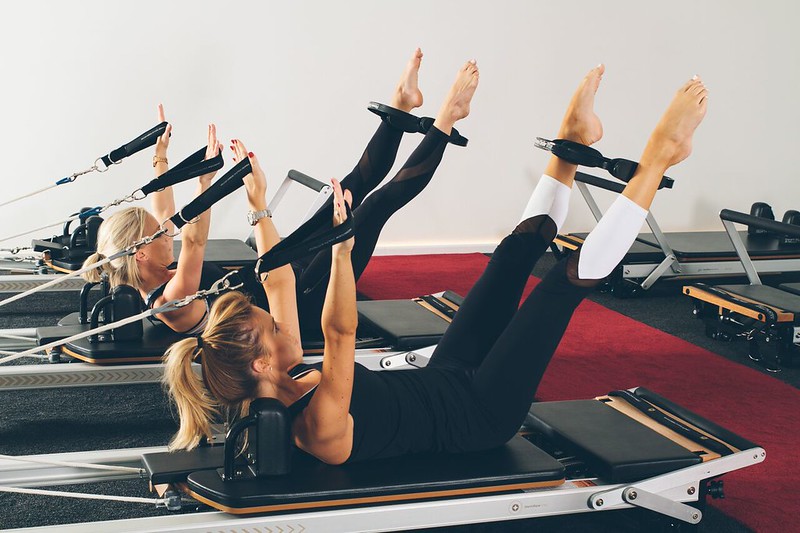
(604, 350)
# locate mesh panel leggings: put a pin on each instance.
(506, 349)
(370, 213)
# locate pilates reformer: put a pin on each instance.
(754, 312)
(627, 449)
(679, 256)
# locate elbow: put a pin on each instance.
(339, 334)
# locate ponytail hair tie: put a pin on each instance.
(197, 349)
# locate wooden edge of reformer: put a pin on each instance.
(700, 294)
(693, 446)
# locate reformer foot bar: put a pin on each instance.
(627, 449)
(680, 255)
(754, 312)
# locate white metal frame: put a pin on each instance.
(665, 494)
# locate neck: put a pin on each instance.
(287, 390)
(153, 278)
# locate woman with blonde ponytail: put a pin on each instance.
(229, 343)
(148, 269)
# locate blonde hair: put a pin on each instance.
(116, 233)
(227, 347)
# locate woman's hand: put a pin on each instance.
(213, 148)
(255, 183)
(163, 141)
(340, 215)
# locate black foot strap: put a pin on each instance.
(411, 123)
(580, 154)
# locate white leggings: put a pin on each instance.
(608, 242)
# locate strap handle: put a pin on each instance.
(138, 144)
(221, 188)
(191, 167)
(580, 154)
(303, 241)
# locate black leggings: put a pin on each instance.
(506, 348)
(370, 213)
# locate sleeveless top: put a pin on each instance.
(209, 274)
(406, 411)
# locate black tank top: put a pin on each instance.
(210, 273)
(408, 411)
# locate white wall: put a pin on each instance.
(292, 79)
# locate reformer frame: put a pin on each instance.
(754, 311)
(669, 494)
(652, 257)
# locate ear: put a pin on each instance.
(140, 255)
(260, 365)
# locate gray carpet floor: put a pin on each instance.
(78, 419)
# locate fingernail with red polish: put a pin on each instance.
(250, 154)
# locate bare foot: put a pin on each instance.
(580, 123)
(456, 104)
(407, 96)
(671, 140)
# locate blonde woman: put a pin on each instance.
(148, 270)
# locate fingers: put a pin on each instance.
(161, 113)
(166, 134)
(239, 150)
(214, 148)
(339, 199)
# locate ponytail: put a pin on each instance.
(227, 349)
(196, 408)
(95, 275)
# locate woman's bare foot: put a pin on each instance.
(670, 143)
(456, 104)
(407, 96)
(580, 123)
(671, 140)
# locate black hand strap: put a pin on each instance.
(307, 240)
(672, 423)
(580, 154)
(191, 167)
(141, 142)
(409, 123)
(232, 180)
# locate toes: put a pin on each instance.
(688, 85)
(597, 71)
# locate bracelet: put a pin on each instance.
(157, 160)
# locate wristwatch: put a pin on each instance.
(157, 160)
(254, 216)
